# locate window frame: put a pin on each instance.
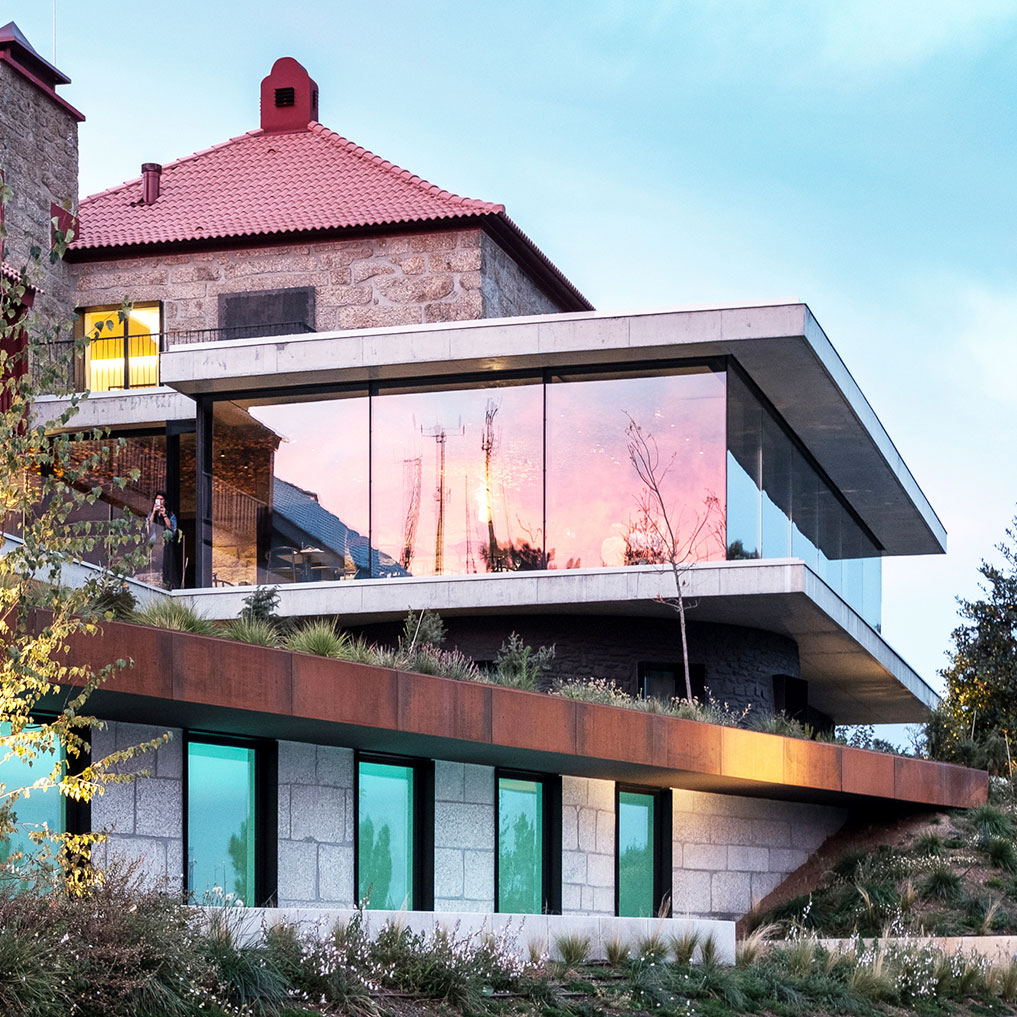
(550, 841)
(697, 677)
(82, 358)
(663, 847)
(422, 848)
(266, 809)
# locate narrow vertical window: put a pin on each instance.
(42, 809)
(521, 846)
(385, 835)
(636, 862)
(221, 820)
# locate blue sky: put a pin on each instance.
(856, 155)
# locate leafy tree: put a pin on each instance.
(47, 477)
(977, 722)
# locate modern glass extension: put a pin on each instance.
(385, 835)
(526, 472)
(221, 822)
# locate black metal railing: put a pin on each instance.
(135, 360)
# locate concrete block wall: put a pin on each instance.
(370, 282)
(316, 834)
(729, 852)
(39, 160)
(587, 841)
(143, 819)
(464, 837)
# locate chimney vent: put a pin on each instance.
(289, 98)
(151, 175)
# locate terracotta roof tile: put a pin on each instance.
(264, 183)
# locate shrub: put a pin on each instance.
(319, 638)
(519, 665)
(1001, 853)
(261, 604)
(929, 844)
(988, 821)
(257, 631)
(941, 884)
(421, 628)
(167, 613)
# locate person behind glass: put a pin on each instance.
(161, 526)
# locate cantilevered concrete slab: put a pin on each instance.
(854, 675)
(780, 346)
(120, 410)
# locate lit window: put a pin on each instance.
(521, 846)
(221, 822)
(122, 349)
(642, 867)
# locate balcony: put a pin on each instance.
(123, 362)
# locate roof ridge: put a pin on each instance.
(316, 127)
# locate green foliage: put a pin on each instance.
(1001, 853)
(167, 613)
(261, 604)
(574, 951)
(319, 638)
(421, 628)
(978, 719)
(519, 665)
(941, 883)
(254, 630)
(989, 821)
(929, 843)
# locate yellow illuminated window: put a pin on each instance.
(120, 349)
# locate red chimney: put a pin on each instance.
(151, 174)
(289, 98)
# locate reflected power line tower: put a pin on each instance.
(440, 437)
(411, 473)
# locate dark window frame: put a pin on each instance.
(423, 823)
(663, 847)
(550, 845)
(266, 808)
(697, 677)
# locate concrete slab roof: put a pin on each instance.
(854, 675)
(780, 346)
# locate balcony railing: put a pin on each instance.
(135, 363)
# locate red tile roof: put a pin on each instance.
(268, 183)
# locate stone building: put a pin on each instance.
(379, 396)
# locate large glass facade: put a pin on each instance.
(520, 846)
(636, 855)
(42, 810)
(385, 835)
(221, 822)
(780, 506)
(524, 473)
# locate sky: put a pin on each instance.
(854, 154)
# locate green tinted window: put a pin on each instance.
(220, 820)
(41, 808)
(635, 855)
(520, 846)
(385, 835)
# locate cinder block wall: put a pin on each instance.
(143, 819)
(370, 282)
(39, 159)
(464, 837)
(729, 852)
(587, 841)
(315, 826)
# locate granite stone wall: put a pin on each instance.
(143, 819)
(587, 841)
(369, 282)
(316, 834)
(39, 160)
(464, 837)
(729, 852)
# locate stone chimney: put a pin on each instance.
(289, 98)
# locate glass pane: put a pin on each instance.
(385, 836)
(220, 821)
(105, 353)
(289, 492)
(456, 480)
(520, 846)
(42, 808)
(635, 855)
(598, 510)
(804, 510)
(776, 513)
(744, 471)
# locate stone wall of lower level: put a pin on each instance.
(729, 852)
(464, 837)
(587, 846)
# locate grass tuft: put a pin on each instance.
(253, 630)
(172, 614)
